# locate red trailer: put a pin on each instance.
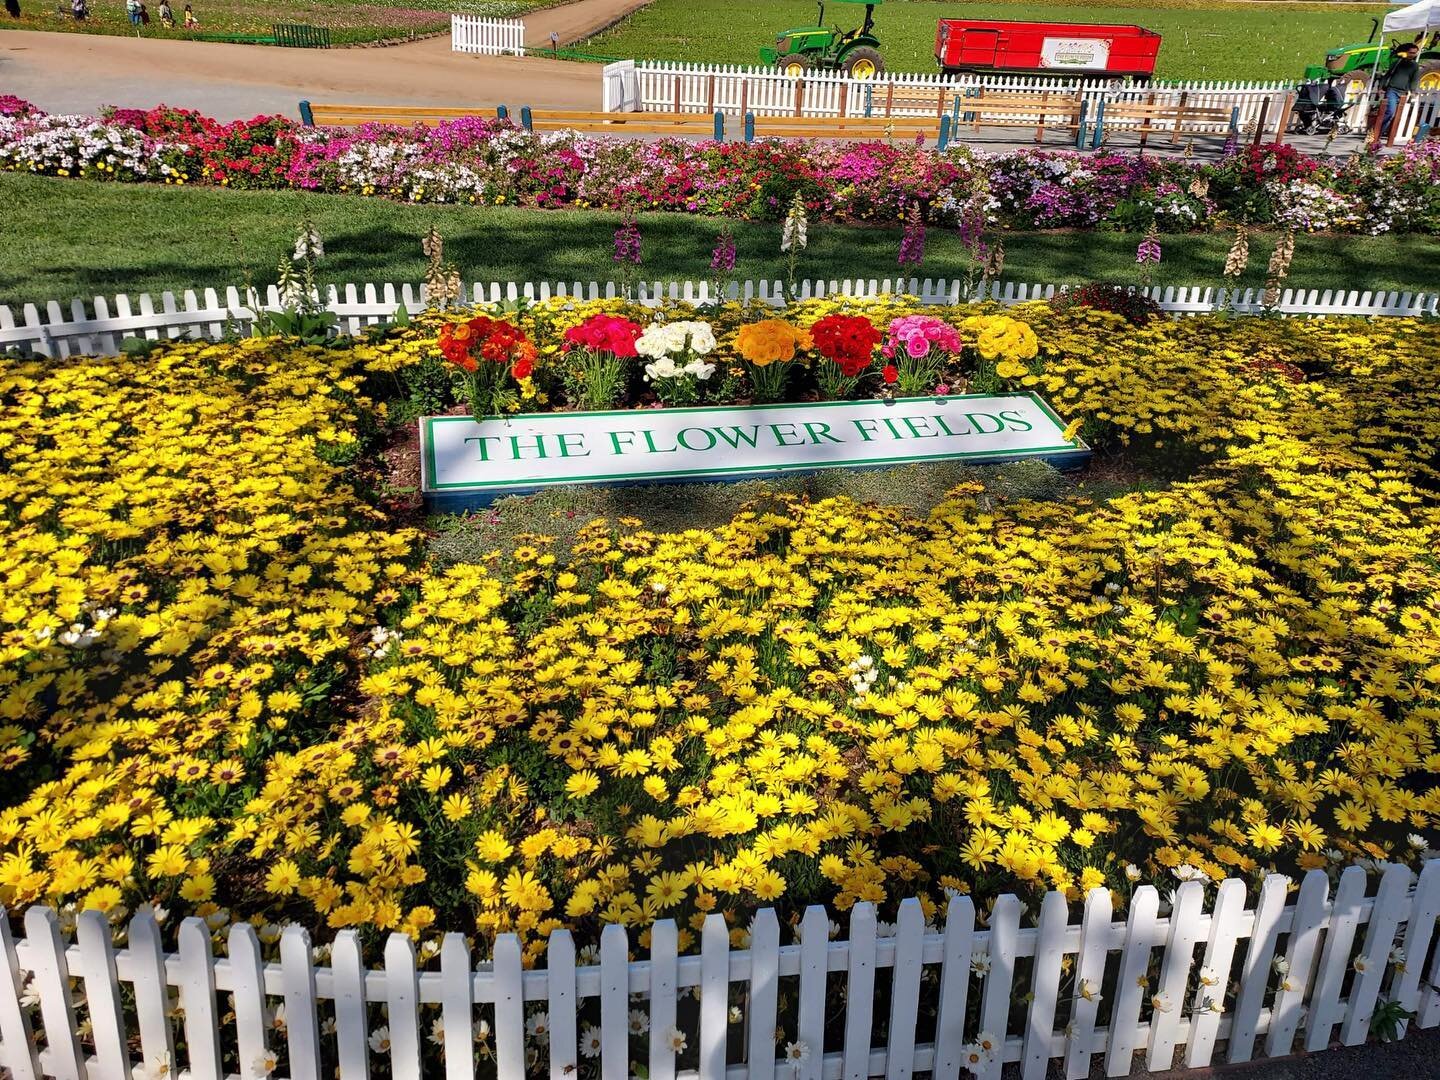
(1059, 48)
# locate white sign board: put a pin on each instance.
(465, 463)
(1082, 54)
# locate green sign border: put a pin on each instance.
(429, 484)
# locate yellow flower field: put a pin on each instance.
(232, 684)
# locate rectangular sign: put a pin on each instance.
(469, 463)
(1086, 54)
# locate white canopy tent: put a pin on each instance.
(1422, 16)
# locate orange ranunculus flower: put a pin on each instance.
(770, 340)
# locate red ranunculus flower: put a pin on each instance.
(846, 340)
(605, 333)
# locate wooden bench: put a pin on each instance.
(354, 115)
(857, 128)
(694, 125)
(1170, 118)
(1044, 110)
(699, 125)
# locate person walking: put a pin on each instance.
(80, 10)
(132, 9)
(144, 14)
(12, 8)
(167, 14)
(191, 23)
(1400, 81)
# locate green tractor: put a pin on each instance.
(855, 52)
(1354, 64)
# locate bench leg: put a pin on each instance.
(307, 117)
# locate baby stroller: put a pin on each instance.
(1319, 108)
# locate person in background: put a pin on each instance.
(167, 14)
(1402, 78)
(144, 14)
(79, 10)
(12, 7)
(191, 23)
(132, 9)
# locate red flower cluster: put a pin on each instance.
(493, 340)
(605, 333)
(848, 340)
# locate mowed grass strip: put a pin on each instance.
(87, 238)
(1262, 40)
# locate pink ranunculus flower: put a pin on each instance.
(918, 334)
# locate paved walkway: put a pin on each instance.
(80, 72)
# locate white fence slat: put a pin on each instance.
(714, 997)
(860, 987)
(352, 1027)
(814, 973)
(563, 1004)
(1179, 955)
(16, 1035)
(1090, 964)
(66, 1061)
(486, 36)
(247, 990)
(764, 995)
(1129, 995)
(1045, 986)
(1311, 909)
(995, 999)
(102, 993)
(905, 990)
(1255, 974)
(1391, 903)
(302, 1025)
(614, 1002)
(1344, 917)
(402, 1005)
(509, 1009)
(1418, 932)
(1225, 930)
(152, 993)
(457, 1008)
(664, 979)
(954, 987)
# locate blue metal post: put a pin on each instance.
(525, 118)
(719, 126)
(1235, 120)
(1099, 125)
(944, 133)
(1080, 126)
(306, 116)
(502, 112)
(749, 127)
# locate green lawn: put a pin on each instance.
(83, 238)
(1201, 40)
(347, 20)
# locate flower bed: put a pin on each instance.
(491, 162)
(234, 684)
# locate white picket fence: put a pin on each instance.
(100, 328)
(732, 89)
(1131, 986)
(487, 37)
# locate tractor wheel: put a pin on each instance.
(794, 66)
(1356, 83)
(1430, 75)
(863, 63)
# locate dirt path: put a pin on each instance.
(572, 22)
(80, 72)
